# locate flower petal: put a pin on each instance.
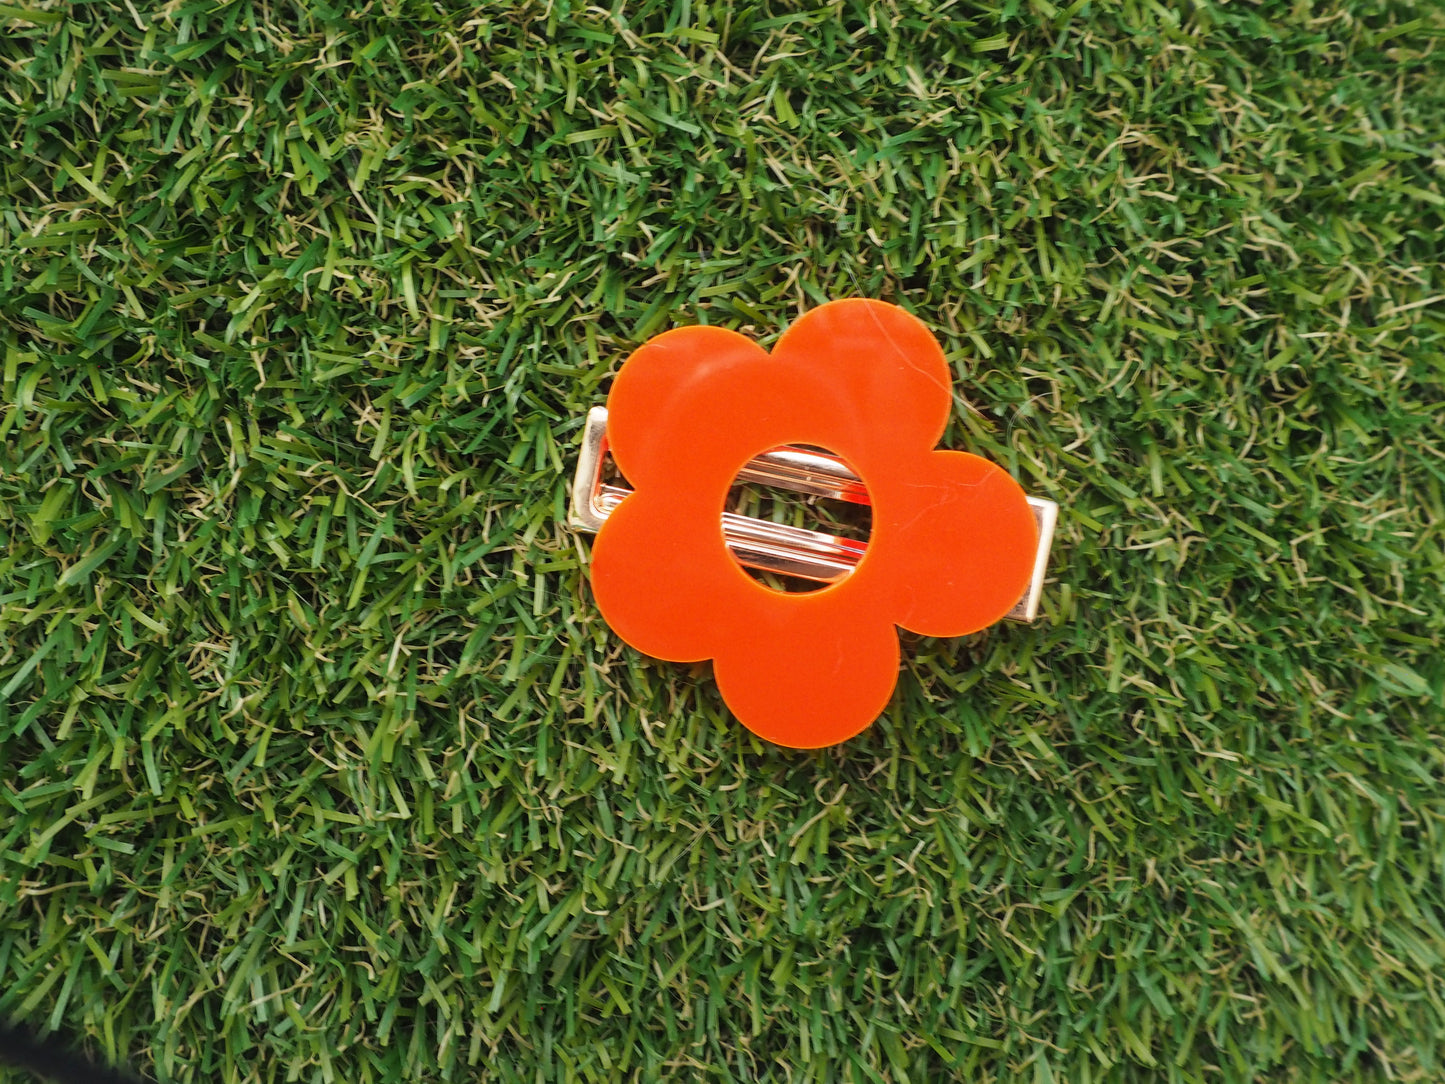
(805, 679)
(882, 365)
(661, 573)
(673, 387)
(957, 541)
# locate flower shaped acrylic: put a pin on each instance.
(953, 537)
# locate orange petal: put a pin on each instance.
(661, 579)
(805, 679)
(957, 544)
(886, 365)
(670, 389)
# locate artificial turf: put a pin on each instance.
(318, 762)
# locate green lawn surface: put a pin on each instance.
(317, 762)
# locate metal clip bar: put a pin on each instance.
(777, 547)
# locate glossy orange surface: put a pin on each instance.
(953, 537)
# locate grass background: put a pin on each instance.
(318, 763)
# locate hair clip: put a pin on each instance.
(848, 405)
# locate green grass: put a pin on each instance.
(317, 762)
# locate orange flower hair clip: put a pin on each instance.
(955, 545)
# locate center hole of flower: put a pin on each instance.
(797, 519)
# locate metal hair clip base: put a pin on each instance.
(776, 547)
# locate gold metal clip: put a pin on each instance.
(777, 547)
